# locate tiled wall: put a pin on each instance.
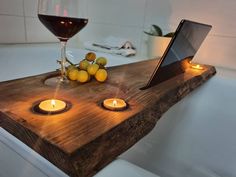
(128, 19)
(19, 23)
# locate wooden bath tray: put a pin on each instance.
(87, 137)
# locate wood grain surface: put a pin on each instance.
(87, 137)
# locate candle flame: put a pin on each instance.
(53, 103)
(197, 66)
(114, 103)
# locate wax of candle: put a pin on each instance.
(114, 104)
(52, 105)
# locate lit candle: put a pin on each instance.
(52, 105)
(114, 104)
(197, 66)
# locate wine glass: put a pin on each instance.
(64, 18)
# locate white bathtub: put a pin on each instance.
(196, 137)
(18, 61)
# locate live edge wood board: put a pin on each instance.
(87, 137)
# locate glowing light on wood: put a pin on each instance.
(197, 66)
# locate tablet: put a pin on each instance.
(185, 43)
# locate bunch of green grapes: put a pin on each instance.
(88, 68)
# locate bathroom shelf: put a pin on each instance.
(87, 137)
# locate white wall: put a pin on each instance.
(128, 19)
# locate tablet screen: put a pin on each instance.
(187, 40)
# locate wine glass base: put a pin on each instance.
(58, 81)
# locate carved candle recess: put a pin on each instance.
(50, 106)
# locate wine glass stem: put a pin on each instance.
(63, 60)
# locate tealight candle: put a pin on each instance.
(114, 104)
(52, 105)
(197, 66)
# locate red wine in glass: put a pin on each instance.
(63, 27)
(64, 18)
